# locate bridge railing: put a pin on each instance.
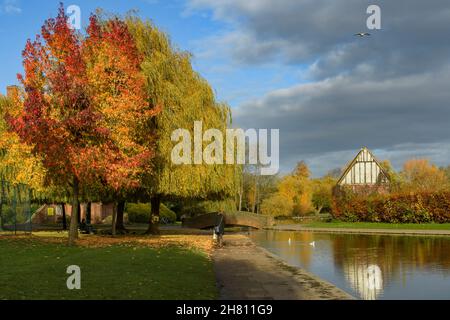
(236, 218)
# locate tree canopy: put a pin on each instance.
(184, 97)
(84, 104)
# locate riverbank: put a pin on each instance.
(246, 271)
(358, 230)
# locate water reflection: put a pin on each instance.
(369, 266)
(367, 281)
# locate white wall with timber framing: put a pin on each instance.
(364, 170)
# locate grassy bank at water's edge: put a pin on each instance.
(378, 225)
(33, 269)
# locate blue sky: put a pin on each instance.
(295, 65)
(187, 28)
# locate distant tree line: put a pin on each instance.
(298, 194)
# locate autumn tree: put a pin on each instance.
(296, 191)
(300, 178)
(322, 193)
(18, 166)
(447, 173)
(277, 205)
(118, 89)
(184, 97)
(17, 163)
(395, 179)
(421, 175)
(301, 170)
(72, 83)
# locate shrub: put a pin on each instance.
(394, 208)
(197, 207)
(19, 216)
(140, 213)
(277, 205)
(168, 214)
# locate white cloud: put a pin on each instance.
(10, 7)
(403, 117)
(387, 91)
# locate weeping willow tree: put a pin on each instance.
(21, 173)
(184, 97)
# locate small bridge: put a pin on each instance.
(243, 219)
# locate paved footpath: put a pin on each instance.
(297, 227)
(245, 271)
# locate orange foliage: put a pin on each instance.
(420, 175)
(403, 207)
(84, 102)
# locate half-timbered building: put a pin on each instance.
(364, 172)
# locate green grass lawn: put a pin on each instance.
(377, 225)
(32, 269)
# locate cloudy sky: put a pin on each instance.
(296, 65)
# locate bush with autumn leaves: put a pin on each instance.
(421, 207)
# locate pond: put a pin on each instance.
(368, 266)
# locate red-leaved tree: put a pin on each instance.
(84, 101)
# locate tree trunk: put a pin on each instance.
(241, 193)
(153, 225)
(240, 201)
(120, 227)
(73, 230)
(88, 213)
(64, 218)
(319, 210)
(257, 198)
(2, 195)
(1, 216)
(114, 219)
(255, 193)
(79, 212)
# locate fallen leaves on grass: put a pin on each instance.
(197, 242)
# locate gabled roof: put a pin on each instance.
(355, 160)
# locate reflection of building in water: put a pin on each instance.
(367, 280)
(399, 258)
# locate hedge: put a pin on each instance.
(140, 213)
(394, 208)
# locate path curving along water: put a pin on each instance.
(245, 271)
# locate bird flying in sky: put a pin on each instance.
(362, 34)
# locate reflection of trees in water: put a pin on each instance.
(299, 244)
(368, 262)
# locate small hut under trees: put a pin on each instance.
(364, 174)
